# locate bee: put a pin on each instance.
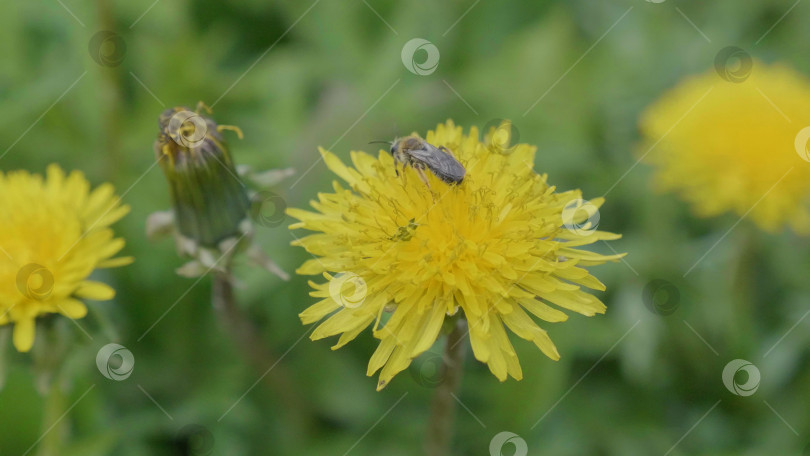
(420, 155)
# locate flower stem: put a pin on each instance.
(443, 405)
(744, 278)
(110, 93)
(251, 344)
(53, 427)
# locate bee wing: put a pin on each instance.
(441, 163)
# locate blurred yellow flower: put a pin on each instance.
(728, 144)
(53, 233)
(497, 245)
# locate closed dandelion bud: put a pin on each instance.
(213, 209)
(208, 199)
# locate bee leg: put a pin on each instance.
(421, 173)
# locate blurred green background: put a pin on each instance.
(296, 74)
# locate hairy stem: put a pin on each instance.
(443, 405)
(744, 278)
(53, 425)
(255, 349)
(110, 93)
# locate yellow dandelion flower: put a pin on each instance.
(53, 233)
(495, 246)
(728, 145)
